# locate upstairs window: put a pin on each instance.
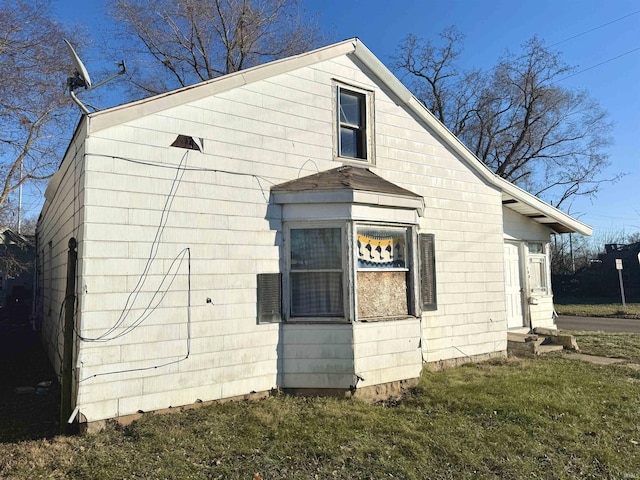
(352, 124)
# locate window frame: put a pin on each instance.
(349, 258)
(287, 284)
(411, 268)
(542, 259)
(367, 118)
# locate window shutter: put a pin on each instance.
(269, 298)
(426, 245)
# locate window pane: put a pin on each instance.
(316, 249)
(350, 108)
(316, 294)
(538, 274)
(350, 144)
(536, 248)
(381, 248)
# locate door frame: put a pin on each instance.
(520, 245)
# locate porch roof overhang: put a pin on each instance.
(516, 199)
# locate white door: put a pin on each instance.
(513, 285)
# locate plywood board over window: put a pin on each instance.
(382, 294)
(382, 276)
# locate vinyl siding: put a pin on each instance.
(254, 136)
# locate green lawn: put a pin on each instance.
(545, 418)
(615, 345)
(597, 308)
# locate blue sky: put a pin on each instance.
(490, 28)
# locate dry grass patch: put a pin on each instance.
(538, 418)
(613, 345)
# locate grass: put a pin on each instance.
(549, 418)
(614, 345)
(597, 308)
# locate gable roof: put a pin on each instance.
(513, 197)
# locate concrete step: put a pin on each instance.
(542, 349)
(539, 343)
(521, 337)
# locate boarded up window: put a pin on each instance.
(269, 298)
(382, 277)
(382, 294)
(426, 245)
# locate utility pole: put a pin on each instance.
(20, 201)
(573, 262)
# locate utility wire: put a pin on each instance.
(131, 300)
(594, 28)
(596, 65)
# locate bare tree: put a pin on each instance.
(515, 117)
(182, 42)
(34, 112)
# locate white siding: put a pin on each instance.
(316, 356)
(255, 136)
(387, 351)
(518, 227)
(61, 219)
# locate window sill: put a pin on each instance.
(353, 160)
(317, 320)
(387, 319)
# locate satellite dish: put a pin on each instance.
(81, 78)
(81, 73)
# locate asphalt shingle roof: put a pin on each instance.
(341, 178)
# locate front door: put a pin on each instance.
(513, 285)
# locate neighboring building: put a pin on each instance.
(304, 225)
(629, 256)
(17, 256)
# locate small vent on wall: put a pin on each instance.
(269, 298)
(184, 141)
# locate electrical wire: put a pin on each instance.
(594, 66)
(594, 28)
(166, 364)
(193, 169)
(133, 296)
(162, 290)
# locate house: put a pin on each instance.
(305, 225)
(17, 255)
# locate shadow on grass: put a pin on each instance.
(26, 412)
